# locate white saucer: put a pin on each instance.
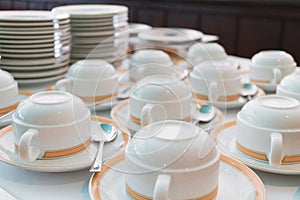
(31, 16)
(35, 46)
(170, 35)
(35, 67)
(32, 30)
(74, 162)
(25, 51)
(39, 74)
(40, 80)
(33, 24)
(22, 95)
(34, 41)
(91, 11)
(236, 182)
(111, 19)
(38, 61)
(120, 114)
(102, 33)
(34, 55)
(227, 145)
(232, 104)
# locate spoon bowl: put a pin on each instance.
(205, 113)
(248, 91)
(109, 133)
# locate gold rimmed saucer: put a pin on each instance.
(236, 181)
(225, 138)
(77, 161)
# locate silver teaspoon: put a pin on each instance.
(109, 133)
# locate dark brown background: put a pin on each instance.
(244, 27)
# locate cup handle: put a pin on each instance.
(26, 151)
(277, 75)
(63, 85)
(146, 117)
(162, 187)
(276, 150)
(213, 90)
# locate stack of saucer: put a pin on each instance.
(174, 41)
(34, 45)
(98, 31)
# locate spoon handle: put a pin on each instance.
(9, 114)
(97, 164)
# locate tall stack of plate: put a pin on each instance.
(98, 31)
(34, 45)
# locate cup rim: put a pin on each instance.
(239, 118)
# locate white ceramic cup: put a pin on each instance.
(149, 62)
(156, 98)
(200, 52)
(91, 80)
(268, 129)
(49, 125)
(172, 160)
(269, 67)
(290, 86)
(8, 91)
(215, 81)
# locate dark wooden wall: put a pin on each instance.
(244, 27)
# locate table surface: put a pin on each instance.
(30, 185)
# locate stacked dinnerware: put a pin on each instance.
(34, 45)
(174, 41)
(98, 31)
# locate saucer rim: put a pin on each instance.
(257, 183)
(216, 133)
(69, 168)
(124, 104)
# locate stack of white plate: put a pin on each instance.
(34, 45)
(98, 31)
